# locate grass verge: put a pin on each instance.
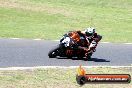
(50, 19)
(57, 78)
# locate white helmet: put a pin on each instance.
(90, 31)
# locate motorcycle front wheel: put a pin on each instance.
(54, 52)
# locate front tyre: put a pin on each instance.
(54, 52)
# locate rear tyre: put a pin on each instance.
(69, 57)
(88, 58)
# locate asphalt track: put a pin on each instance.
(30, 53)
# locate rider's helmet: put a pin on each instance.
(90, 31)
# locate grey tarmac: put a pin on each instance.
(32, 53)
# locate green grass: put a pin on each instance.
(57, 78)
(50, 19)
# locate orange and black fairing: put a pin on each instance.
(75, 36)
(69, 52)
(79, 38)
(78, 52)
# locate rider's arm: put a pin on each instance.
(95, 41)
(97, 37)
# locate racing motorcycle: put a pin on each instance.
(68, 47)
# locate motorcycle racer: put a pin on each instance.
(89, 41)
(80, 44)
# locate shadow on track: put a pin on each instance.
(92, 59)
(98, 60)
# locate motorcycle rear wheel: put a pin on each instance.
(88, 57)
